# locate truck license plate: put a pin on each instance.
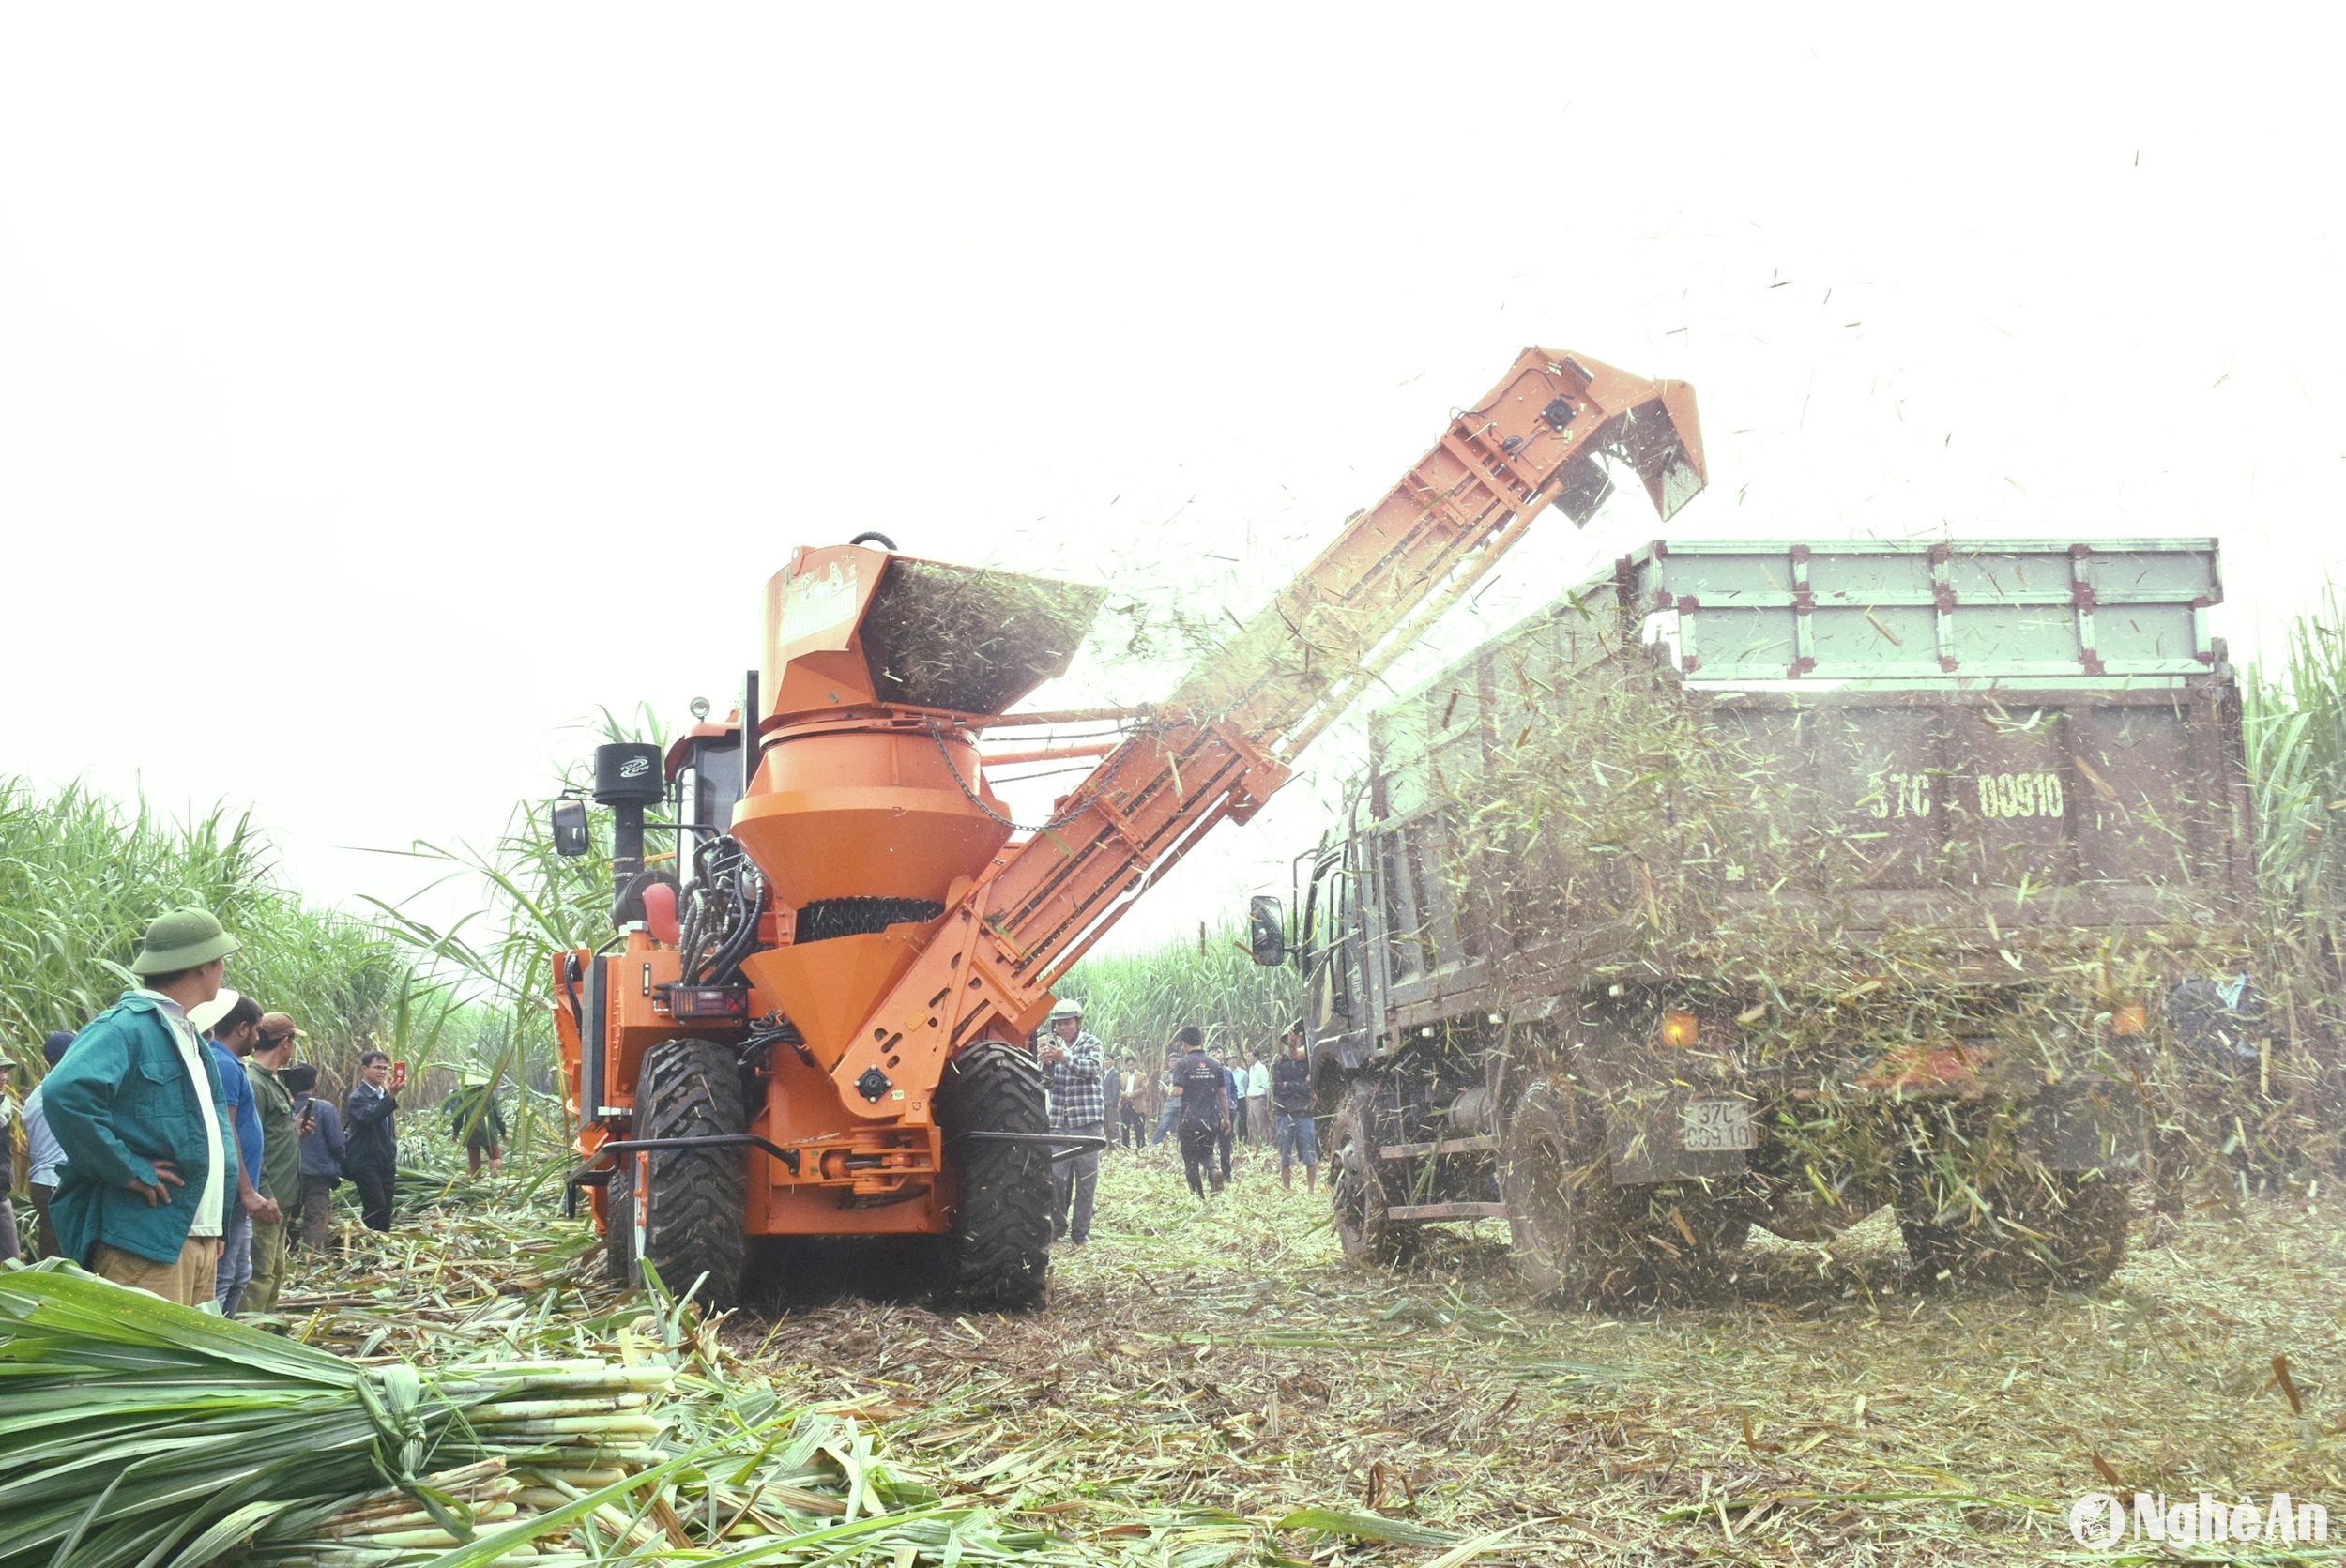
(1712, 1126)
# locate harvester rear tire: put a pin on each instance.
(996, 1250)
(695, 1229)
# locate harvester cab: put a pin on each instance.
(817, 1024)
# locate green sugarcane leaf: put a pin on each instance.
(1366, 1526)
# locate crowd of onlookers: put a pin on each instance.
(174, 1145)
(1210, 1104)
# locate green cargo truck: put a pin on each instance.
(1771, 884)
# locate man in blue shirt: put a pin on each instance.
(230, 1022)
(48, 1157)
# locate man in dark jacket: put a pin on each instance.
(371, 1158)
(322, 1150)
(1200, 1088)
(136, 1106)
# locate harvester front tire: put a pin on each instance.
(997, 1244)
(695, 1229)
(1369, 1236)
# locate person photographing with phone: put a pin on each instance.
(370, 1156)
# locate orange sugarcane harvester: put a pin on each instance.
(817, 1022)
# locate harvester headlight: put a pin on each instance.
(1679, 1030)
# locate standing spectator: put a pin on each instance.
(1073, 1056)
(47, 1161)
(1132, 1124)
(1201, 1098)
(1111, 1095)
(280, 1157)
(11, 1245)
(1291, 1102)
(370, 1157)
(1233, 1099)
(136, 1106)
(321, 1149)
(231, 1021)
(1258, 1100)
(473, 1115)
(1172, 1111)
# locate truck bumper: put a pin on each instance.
(2083, 1124)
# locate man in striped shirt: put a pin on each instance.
(1074, 1060)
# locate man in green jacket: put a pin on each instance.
(280, 1158)
(137, 1107)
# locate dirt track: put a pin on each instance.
(1194, 1370)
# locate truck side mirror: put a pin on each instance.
(570, 828)
(1267, 930)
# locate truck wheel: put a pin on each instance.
(1550, 1170)
(2047, 1230)
(699, 1197)
(1357, 1191)
(995, 1251)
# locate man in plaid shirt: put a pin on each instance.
(1075, 1061)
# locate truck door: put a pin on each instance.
(1342, 1016)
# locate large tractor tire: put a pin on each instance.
(695, 1230)
(1357, 1190)
(1580, 1240)
(619, 1225)
(996, 1249)
(2030, 1228)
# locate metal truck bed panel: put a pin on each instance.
(1978, 610)
(1569, 800)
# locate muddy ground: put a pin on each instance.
(1200, 1374)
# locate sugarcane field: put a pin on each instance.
(1344, 789)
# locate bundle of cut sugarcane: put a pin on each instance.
(134, 1431)
(135, 1434)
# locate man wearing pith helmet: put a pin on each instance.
(137, 1107)
(1075, 1061)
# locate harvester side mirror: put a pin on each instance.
(570, 828)
(1267, 930)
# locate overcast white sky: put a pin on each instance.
(383, 389)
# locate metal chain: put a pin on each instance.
(937, 734)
